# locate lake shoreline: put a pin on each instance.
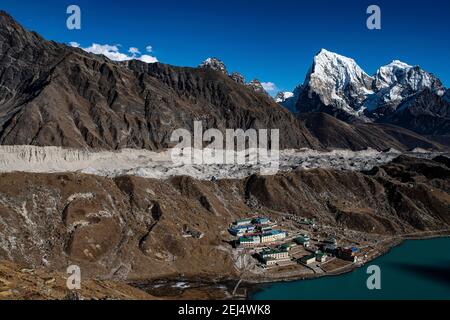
(222, 288)
(254, 287)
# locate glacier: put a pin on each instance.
(159, 165)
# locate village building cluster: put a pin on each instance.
(256, 231)
(274, 247)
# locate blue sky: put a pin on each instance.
(274, 41)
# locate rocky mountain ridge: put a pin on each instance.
(218, 65)
(56, 95)
(338, 86)
(75, 99)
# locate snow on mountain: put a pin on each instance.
(397, 81)
(389, 74)
(257, 86)
(214, 64)
(337, 81)
(335, 84)
(237, 77)
(337, 70)
(288, 100)
(283, 96)
(400, 73)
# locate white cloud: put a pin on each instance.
(74, 44)
(270, 87)
(149, 49)
(113, 52)
(148, 59)
(134, 50)
(110, 51)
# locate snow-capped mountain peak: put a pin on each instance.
(338, 81)
(257, 86)
(337, 68)
(398, 72)
(283, 96)
(397, 81)
(214, 64)
(399, 64)
(237, 77)
(390, 73)
(337, 85)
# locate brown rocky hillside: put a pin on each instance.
(136, 228)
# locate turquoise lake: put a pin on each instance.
(417, 269)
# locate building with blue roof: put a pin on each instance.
(273, 236)
(241, 230)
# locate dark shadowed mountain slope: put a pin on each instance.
(426, 113)
(56, 95)
(339, 134)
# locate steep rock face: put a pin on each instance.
(222, 103)
(257, 86)
(426, 113)
(237, 77)
(26, 62)
(338, 86)
(75, 99)
(214, 64)
(337, 82)
(397, 82)
(408, 79)
(136, 228)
